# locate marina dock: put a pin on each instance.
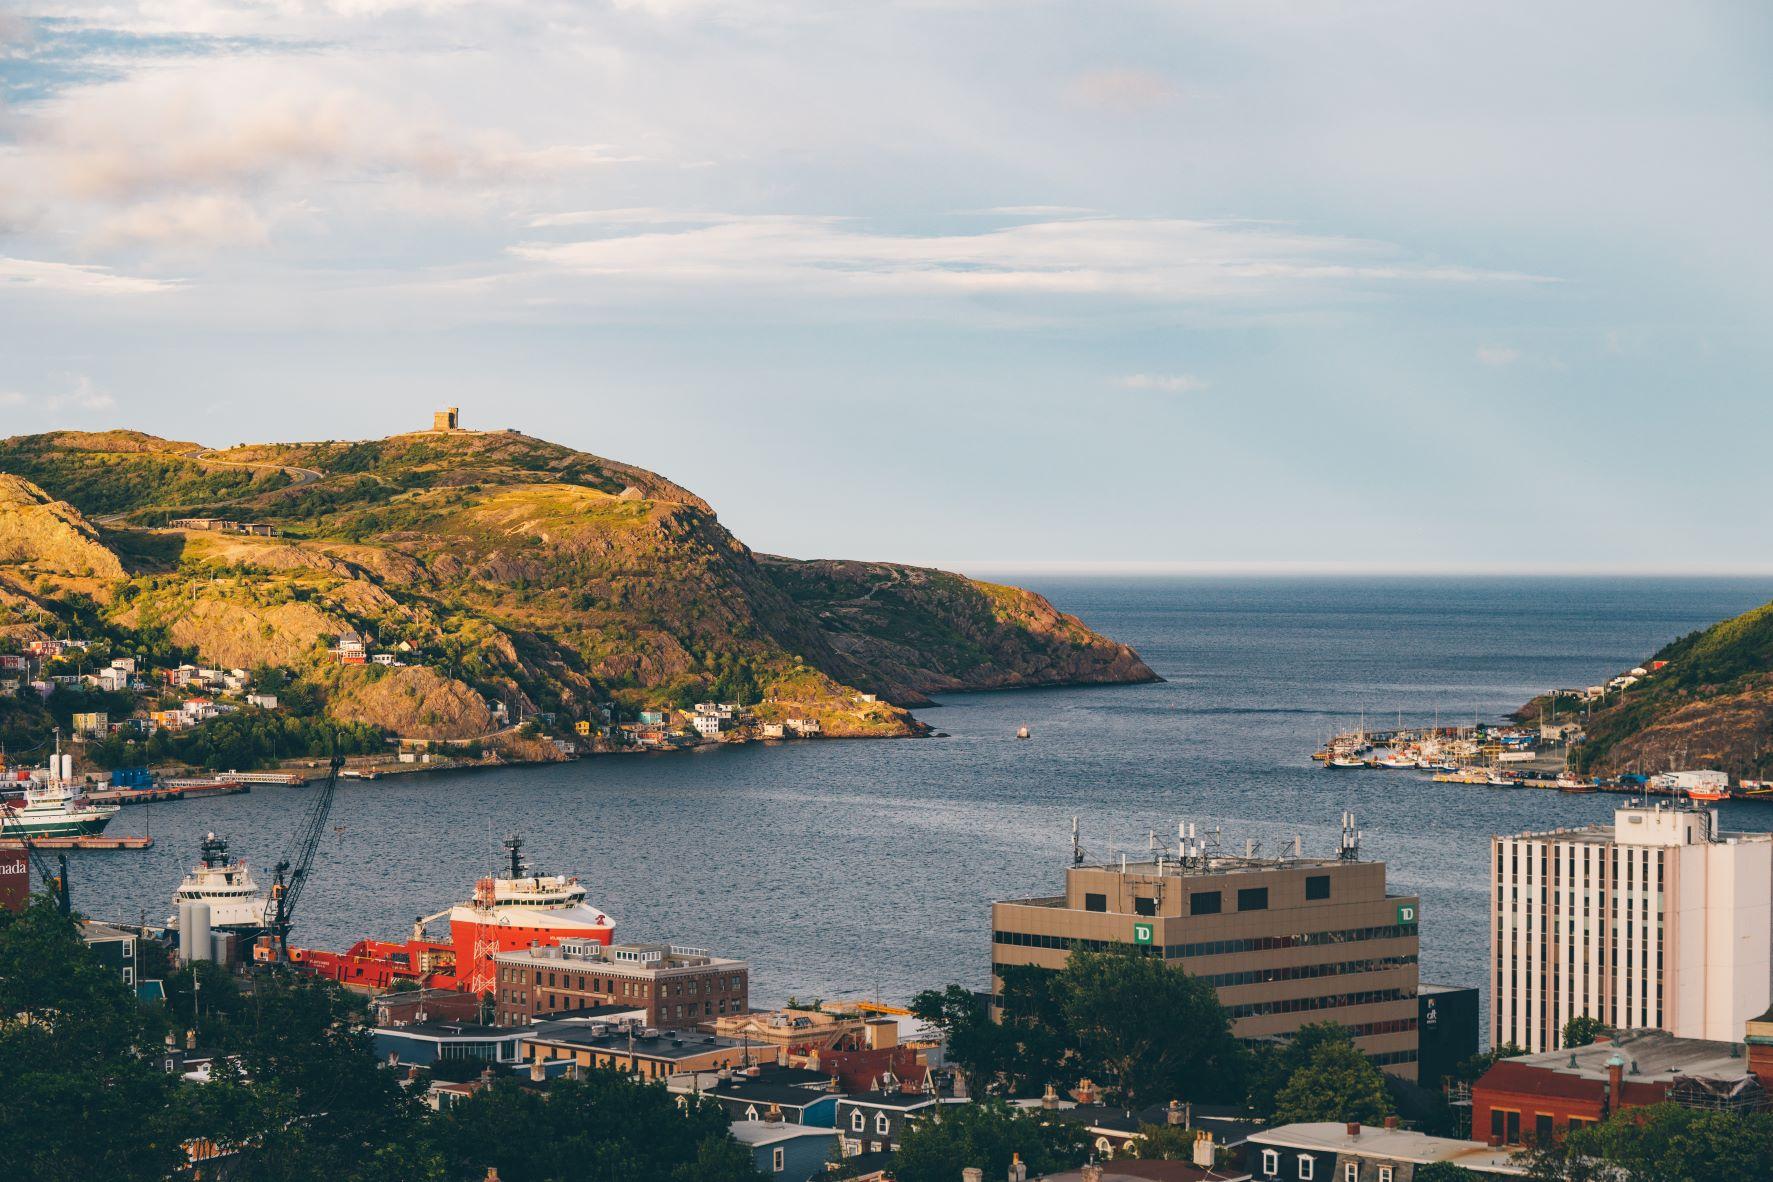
(168, 790)
(93, 841)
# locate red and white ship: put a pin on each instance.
(509, 910)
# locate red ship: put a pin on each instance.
(509, 910)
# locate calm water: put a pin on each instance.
(869, 866)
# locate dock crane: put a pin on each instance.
(291, 873)
(54, 880)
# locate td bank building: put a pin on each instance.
(1286, 941)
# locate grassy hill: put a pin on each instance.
(519, 571)
(1710, 705)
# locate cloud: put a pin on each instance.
(207, 220)
(1169, 383)
(1122, 90)
(75, 277)
(1497, 356)
(1156, 259)
(74, 392)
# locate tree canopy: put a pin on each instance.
(1146, 1031)
(1663, 1143)
(985, 1134)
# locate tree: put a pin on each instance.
(1443, 1171)
(1337, 1083)
(606, 1127)
(985, 1134)
(1165, 1143)
(1271, 1065)
(1582, 1030)
(82, 1101)
(1663, 1143)
(1156, 1033)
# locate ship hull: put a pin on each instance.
(16, 826)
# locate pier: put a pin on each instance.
(90, 841)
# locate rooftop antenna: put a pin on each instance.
(1351, 839)
(1298, 845)
(1076, 849)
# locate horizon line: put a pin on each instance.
(1350, 569)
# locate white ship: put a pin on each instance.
(54, 809)
(225, 883)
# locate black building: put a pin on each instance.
(1446, 1030)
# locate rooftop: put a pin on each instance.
(1400, 1145)
(668, 1045)
(442, 1030)
(1651, 1056)
(644, 957)
(763, 1132)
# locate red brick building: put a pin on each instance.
(1534, 1098)
(679, 988)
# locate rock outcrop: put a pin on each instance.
(43, 535)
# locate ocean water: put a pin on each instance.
(868, 867)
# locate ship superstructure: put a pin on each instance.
(511, 909)
(226, 884)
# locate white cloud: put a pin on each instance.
(1497, 356)
(1156, 259)
(1169, 383)
(42, 275)
(203, 221)
(1123, 90)
(72, 392)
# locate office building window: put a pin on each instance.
(1253, 899)
(1095, 902)
(1317, 886)
(1144, 906)
(1203, 903)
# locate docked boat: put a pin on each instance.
(1708, 795)
(1398, 761)
(512, 909)
(1345, 761)
(1755, 789)
(54, 809)
(224, 882)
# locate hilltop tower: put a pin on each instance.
(447, 419)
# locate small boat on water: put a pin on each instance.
(1708, 795)
(1497, 780)
(1398, 761)
(1022, 732)
(1345, 761)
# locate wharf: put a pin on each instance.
(90, 841)
(168, 790)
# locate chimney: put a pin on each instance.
(1391, 1122)
(1615, 1080)
(492, 1174)
(1018, 1168)
(1204, 1155)
(537, 1072)
(1092, 1173)
(1176, 1116)
(1354, 1128)
(1086, 1091)
(190, 1040)
(972, 1174)
(773, 1114)
(1049, 1099)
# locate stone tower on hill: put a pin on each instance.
(448, 419)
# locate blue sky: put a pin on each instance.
(999, 285)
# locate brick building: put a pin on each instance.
(678, 987)
(1534, 1098)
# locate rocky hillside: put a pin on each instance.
(1710, 705)
(514, 570)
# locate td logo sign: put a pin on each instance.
(1406, 913)
(1142, 933)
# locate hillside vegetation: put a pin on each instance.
(1710, 705)
(507, 570)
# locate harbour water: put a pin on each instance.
(870, 866)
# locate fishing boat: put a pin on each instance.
(1345, 761)
(1755, 789)
(1398, 761)
(1708, 795)
(1572, 783)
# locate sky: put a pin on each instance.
(998, 285)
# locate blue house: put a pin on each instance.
(790, 1153)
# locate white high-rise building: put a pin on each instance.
(1657, 921)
